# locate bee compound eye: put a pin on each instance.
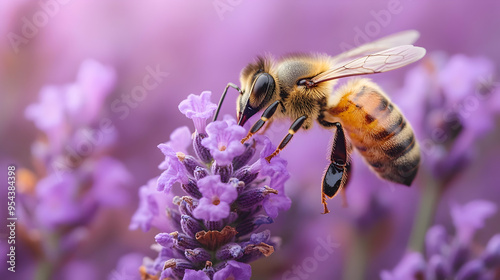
(262, 90)
(262, 84)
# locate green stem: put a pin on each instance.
(43, 271)
(47, 265)
(358, 257)
(426, 210)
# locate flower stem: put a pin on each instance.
(358, 255)
(427, 208)
(43, 271)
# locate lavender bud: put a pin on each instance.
(200, 150)
(491, 255)
(245, 175)
(197, 255)
(435, 240)
(243, 159)
(225, 172)
(186, 205)
(262, 236)
(189, 225)
(237, 184)
(472, 270)
(246, 225)
(250, 224)
(200, 172)
(189, 162)
(438, 268)
(229, 251)
(164, 239)
(459, 254)
(253, 252)
(254, 197)
(262, 220)
(183, 241)
(214, 225)
(178, 266)
(191, 188)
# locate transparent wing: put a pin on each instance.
(407, 37)
(378, 62)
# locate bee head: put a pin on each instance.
(258, 89)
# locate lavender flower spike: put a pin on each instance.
(212, 232)
(454, 257)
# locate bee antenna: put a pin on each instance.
(224, 96)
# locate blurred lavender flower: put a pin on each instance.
(65, 112)
(152, 205)
(451, 103)
(454, 257)
(211, 232)
(126, 269)
(74, 177)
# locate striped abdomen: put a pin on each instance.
(379, 131)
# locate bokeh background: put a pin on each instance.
(203, 45)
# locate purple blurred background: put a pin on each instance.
(203, 46)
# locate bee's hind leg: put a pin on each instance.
(337, 173)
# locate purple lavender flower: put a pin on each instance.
(152, 204)
(277, 175)
(453, 258)
(175, 169)
(66, 199)
(195, 275)
(234, 270)
(471, 217)
(224, 141)
(410, 267)
(216, 200)
(451, 104)
(126, 269)
(199, 109)
(63, 110)
(211, 232)
(76, 178)
(180, 139)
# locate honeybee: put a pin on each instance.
(301, 88)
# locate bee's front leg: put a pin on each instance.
(296, 125)
(268, 113)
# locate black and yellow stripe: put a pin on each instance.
(378, 130)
